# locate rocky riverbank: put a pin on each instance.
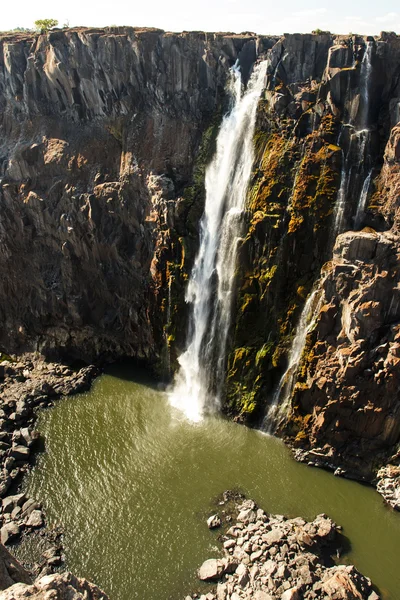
(28, 383)
(16, 583)
(271, 557)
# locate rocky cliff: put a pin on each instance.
(327, 162)
(99, 133)
(105, 135)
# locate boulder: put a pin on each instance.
(20, 453)
(9, 532)
(63, 585)
(35, 519)
(11, 571)
(247, 515)
(213, 522)
(211, 569)
(291, 594)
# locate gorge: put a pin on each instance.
(222, 208)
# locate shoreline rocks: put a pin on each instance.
(271, 557)
(64, 585)
(27, 384)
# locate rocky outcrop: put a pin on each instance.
(345, 402)
(61, 586)
(11, 571)
(267, 557)
(326, 162)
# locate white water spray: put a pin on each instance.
(211, 286)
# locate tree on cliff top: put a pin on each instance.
(43, 25)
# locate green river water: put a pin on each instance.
(132, 482)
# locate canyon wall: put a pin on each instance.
(104, 140)
(99, 130)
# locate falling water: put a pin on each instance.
(281, 398)
(358, 147)
(363, 201)
(365, 75)
(366, 71)
(210, 291)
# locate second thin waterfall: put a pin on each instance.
(211, 286)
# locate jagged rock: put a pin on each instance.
(213, 522)
(343, 583)
(247, 516)
(65, 585)
(293, 573)
(20, 453)
(211, 569)
(11, 571)
(389, 485)
(35, 519)
(9, 532)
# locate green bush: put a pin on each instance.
(43, 25)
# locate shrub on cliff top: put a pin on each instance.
(43, 25)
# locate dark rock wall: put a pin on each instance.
(98, 132)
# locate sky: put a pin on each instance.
(261, 16)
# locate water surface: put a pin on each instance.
(132, 483)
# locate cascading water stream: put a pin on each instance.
(281, 398)
(363, 201)
(358, 147)
(211, 286)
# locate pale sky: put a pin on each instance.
(261, 16)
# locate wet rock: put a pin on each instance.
(9, 532)
(35, 519)
(213, 522)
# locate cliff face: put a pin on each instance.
(99, 130)
(104, 139)
(327, 162)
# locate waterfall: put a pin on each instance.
(210, 291)
(365, 74)
(363, 200)
(359, 148)
(281, 398)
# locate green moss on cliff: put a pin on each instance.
(291, 199)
